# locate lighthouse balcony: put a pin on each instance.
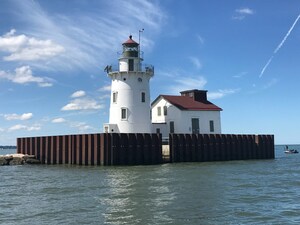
(143, 68)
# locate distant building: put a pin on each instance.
(130, 107)
(189, 113)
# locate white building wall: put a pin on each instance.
(183, 119)
(162, 128)
(173, 113)
(129, 87)
(184, 125)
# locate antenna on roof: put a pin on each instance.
(140, 31)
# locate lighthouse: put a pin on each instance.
(130, 92)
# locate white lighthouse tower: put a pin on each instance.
(130, 93)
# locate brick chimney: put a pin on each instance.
(197, 95)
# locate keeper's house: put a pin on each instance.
(189, 113)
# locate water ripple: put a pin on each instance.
(238, 192)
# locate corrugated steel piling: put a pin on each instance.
(143, 149)
(210, 147)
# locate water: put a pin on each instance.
(236, 192)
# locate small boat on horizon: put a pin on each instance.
(290, 151)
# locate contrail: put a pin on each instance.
(279, 46)
(265, 67)
(286, 36)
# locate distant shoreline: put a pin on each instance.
(4, 147)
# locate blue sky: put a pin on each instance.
(53, 55)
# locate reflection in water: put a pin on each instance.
(158, 195)
(132, 196)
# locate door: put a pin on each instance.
(195, 125)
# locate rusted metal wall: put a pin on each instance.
(143, 149)
(220, 147)
(94, 149)
(66, 149)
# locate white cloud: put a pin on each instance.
(196, 62)
(1, 129)
(17, 127)
(187, 83)
(105, 88)
(200, 39)
(221, 93)
(246, 11)
(82, 104)
(23, 48)
(10, 33)
(81, 126)
(84, 34)
(78, 94)
(178, 81)
(14, 116)
(32, 128)
(58, 120)
(45, 84)
(241, 13)
(240, 75)
(23, 75)
(24, 127)
(105, 96)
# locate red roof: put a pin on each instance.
(130, 42)
(188, 103)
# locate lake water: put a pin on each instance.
(235, 192)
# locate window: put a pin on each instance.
(172, 127)
(165, 110)
(130, 65)
(115, 97)
(211, 126)
(159, 111)
(143, 96)
(124, 113)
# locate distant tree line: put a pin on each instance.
(7, 147)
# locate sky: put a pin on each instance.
(246, 54)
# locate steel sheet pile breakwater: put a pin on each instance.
(145, 149)
(220, 147)
(94, 149)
